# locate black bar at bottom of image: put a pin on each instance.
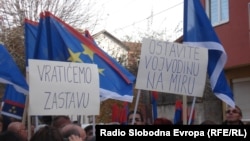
(187, 132)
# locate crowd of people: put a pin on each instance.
(61, 128)
(57, 128)
(233, 116)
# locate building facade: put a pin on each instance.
(231, 21)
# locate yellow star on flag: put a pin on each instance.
(74, 57)
(88, 52)
(101, 71)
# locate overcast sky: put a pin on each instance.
(127, 17)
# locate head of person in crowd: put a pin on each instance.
(89, 131)
(60, 121)
(9, 136)
(77, 122)
(73, 129)
(233, 116)
(47, 133)
(162, 121)
(138, 118)
(45, 120)
(19, 128)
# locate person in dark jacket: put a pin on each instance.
(233, 116)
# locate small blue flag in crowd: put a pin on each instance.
(154, 98)
(178, 112)
(13, 103)
(178, 115)
(198, 31)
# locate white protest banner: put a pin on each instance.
(172, 68)
(63, 88)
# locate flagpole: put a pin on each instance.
(191, 112)
(29, 127)
(184, 107)
(94, 123)
(136, 105)
(26, 116)
(25, 112)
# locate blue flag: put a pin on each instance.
(13, 103)
(14, 98)
(10, 73)
(198, 31)
(154, 98)
(30, 33)
(58, 41)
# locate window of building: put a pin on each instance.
(241, 94)
(218, 11)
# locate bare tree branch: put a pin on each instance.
(77, 13)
